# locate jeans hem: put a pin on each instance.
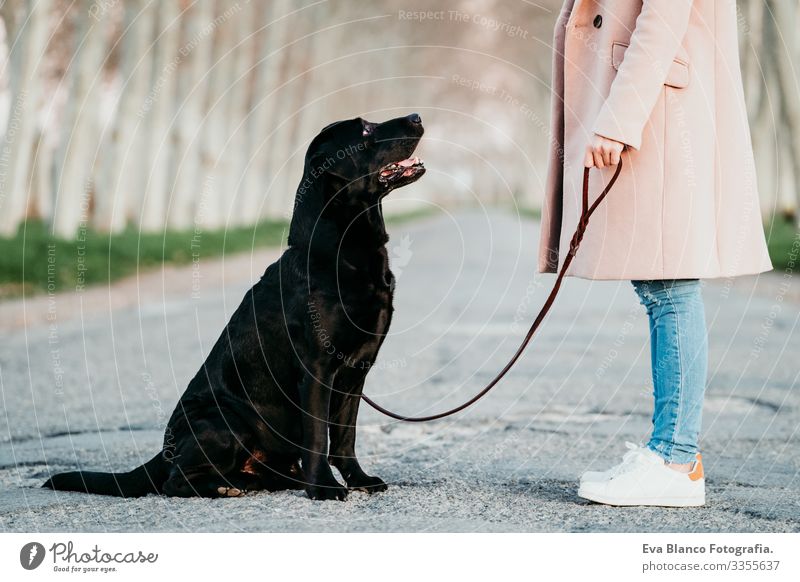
(670, 455)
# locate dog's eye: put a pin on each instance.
(367, 129)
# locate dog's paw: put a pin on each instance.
(230, 492)
(367, 484)
(327, 492)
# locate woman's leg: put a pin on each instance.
(679, 361)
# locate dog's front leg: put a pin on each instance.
(343, 419)
(315, 398)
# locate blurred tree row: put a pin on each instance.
(770, 54)
(142, 111)
(181, 114)
(196, 113)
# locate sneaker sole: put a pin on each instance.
(659, 502)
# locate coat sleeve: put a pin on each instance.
(656, 39)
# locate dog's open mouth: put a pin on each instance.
(408, 168)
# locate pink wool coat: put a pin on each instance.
(662, 77)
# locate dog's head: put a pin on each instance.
(364, 159)
(349, 167)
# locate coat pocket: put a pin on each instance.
(677, 76)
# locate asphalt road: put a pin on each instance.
(94, 387)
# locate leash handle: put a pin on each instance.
(575, 242)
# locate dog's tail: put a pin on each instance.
(136, 483)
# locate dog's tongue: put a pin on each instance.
(407, 163)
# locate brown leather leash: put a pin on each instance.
(583, 222)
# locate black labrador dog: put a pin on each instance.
(274, 406)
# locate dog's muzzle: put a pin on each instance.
(394, 172)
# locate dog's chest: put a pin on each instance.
(366, 289)
(368, 309)
(359, 318)
(368, 324)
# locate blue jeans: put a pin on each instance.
(679, 362)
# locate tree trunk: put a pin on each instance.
(190, 122)
(75, 187)
(263, 116)
(125, 180)
(13, 13)
(209, 210)
(288, 99)
(161, 118)
(759, 82)
(28, 43)
(786, 58)
(306, 114)
(238, 102)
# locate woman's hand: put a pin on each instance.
(603, 152)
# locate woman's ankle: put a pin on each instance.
(681, 467)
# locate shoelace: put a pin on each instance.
(629, 459)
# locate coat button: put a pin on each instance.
(598, 21)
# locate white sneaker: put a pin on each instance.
(643, 478)
(608, 473)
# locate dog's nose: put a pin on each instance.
(415, 118)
